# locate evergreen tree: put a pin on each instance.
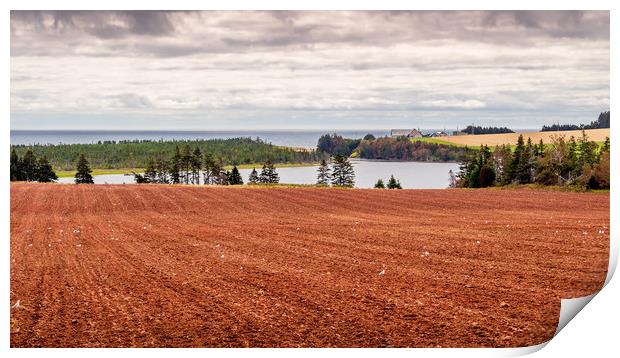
(573, 168)
(16, 172)
(540, 150)
(29, 166)
(486, 176)
(235, 177)
(323, 178)
(502, 156)
(175, 166)
(525, 168)
(45, 173)
(515, 163)
(605, 146)
(342, 172)
(186, 159)
(208, 164)
(393, 183)
(196, 165)
(150, 172)
(218, 175)
(253, 179)
(379, 184)
(587, 151)
(83, 176)
(269, 175)
(140, 178)
(163, 170)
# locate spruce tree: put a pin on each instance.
(541, 149)
(572, 165)
(163, 170)
(587, 151)
(175, 166)
(525, 167)
(16, 173)
(208, 164)
(323, 178)
(269, 175)
(29, 166)
(45, 173)
(150, 173)
(379, 184)
(218, 174)
(342, 172)
(83, 176)
(515, 163)
(235, 177)
(186, 159)
(393, 183)
(196, 165)
(253, 179)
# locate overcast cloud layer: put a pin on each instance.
(319, 70)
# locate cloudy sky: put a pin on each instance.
(306, 70)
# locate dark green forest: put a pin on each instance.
(486, 130)
(136, 154)
(388, 148)
(601, 122)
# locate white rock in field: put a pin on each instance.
(382, 272)
(222, 257)
(477, 242)
(16, 305)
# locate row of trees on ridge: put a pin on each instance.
(562, 162)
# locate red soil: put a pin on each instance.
(168, 266)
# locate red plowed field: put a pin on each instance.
(168, 266)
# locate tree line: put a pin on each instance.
(388, 148)
(30, 168)
(601, 122)
(576, 162)
(485, 130)
(137, 153)
(191, 166)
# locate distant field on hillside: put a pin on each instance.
(597, 135)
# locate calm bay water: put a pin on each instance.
(412, 175)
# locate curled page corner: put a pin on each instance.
(570, 307)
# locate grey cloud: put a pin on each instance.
(102, 24)
(130, 100)
(122, 32)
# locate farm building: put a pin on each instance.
(409, 133)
